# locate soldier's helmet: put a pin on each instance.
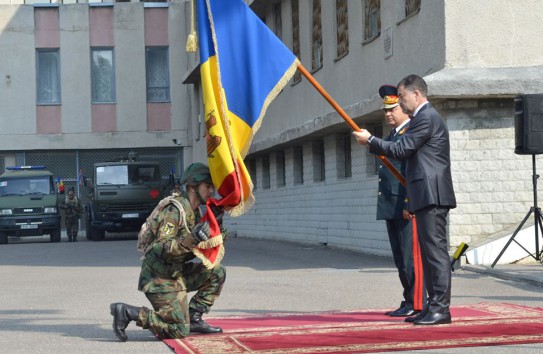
(195, 174)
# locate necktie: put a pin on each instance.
(392, 133)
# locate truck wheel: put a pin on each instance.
(92, 233)
(55, 235)
(97, 235)
(3, 238)
(88, 228)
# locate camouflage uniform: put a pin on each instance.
(168, 275)
(72, 210)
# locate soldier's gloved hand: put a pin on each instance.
(218, 212)
(201, 231)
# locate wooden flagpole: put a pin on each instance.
(349, 121)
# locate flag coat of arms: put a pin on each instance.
(243, 67)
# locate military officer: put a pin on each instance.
(392, 207)
(169, 272)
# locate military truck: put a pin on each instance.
(28, 203)
(122, 196)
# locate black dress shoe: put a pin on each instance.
(435, 319)
(419, 316)
(389, 313)
(403, 312)
(402, 305)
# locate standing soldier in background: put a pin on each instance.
(72, 211)
(392, 207)
(176, 188)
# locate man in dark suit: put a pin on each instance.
(392, 207)
(426, 148)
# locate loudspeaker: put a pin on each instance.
(529, 124)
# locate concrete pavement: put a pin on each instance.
(55, 297)
(531, 273)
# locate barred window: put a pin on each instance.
(280, 168)
(252, 172)
(157, 74)
(343, 156)
(298, 159)
(319, 167)
(372, 19)
(316, 42)
(103, 75)
(342, 21)
(296, 36)
(48, 76)
(266, 172)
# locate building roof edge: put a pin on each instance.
(477, 82)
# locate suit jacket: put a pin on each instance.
(391, 193)
(426, 148)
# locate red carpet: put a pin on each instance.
(366, 332)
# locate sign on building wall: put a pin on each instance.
(388, 42)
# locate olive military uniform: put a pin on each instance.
(72, 211)
(170, 269)
(168, 275)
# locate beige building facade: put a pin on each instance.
(124, 81)
(476, 57)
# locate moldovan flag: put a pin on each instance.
(60, 185)
(243, 67)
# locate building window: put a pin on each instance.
(103, 75)
(157, 74)
(266, 172)
(343, 156)
(298, 160)
(318, 161)
(411, 7)
(277, 20)
(342, 28)
(372, 19)
(48, 76)
(252, 172)
(296, 36)
(316, 38)
(280, 168)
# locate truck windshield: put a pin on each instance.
(26, 186)
(127, 174)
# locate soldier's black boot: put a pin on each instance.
(122, 315)
(198, 325)
(74, 238)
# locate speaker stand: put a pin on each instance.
(538, 223)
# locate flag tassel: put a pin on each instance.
(192, 39)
